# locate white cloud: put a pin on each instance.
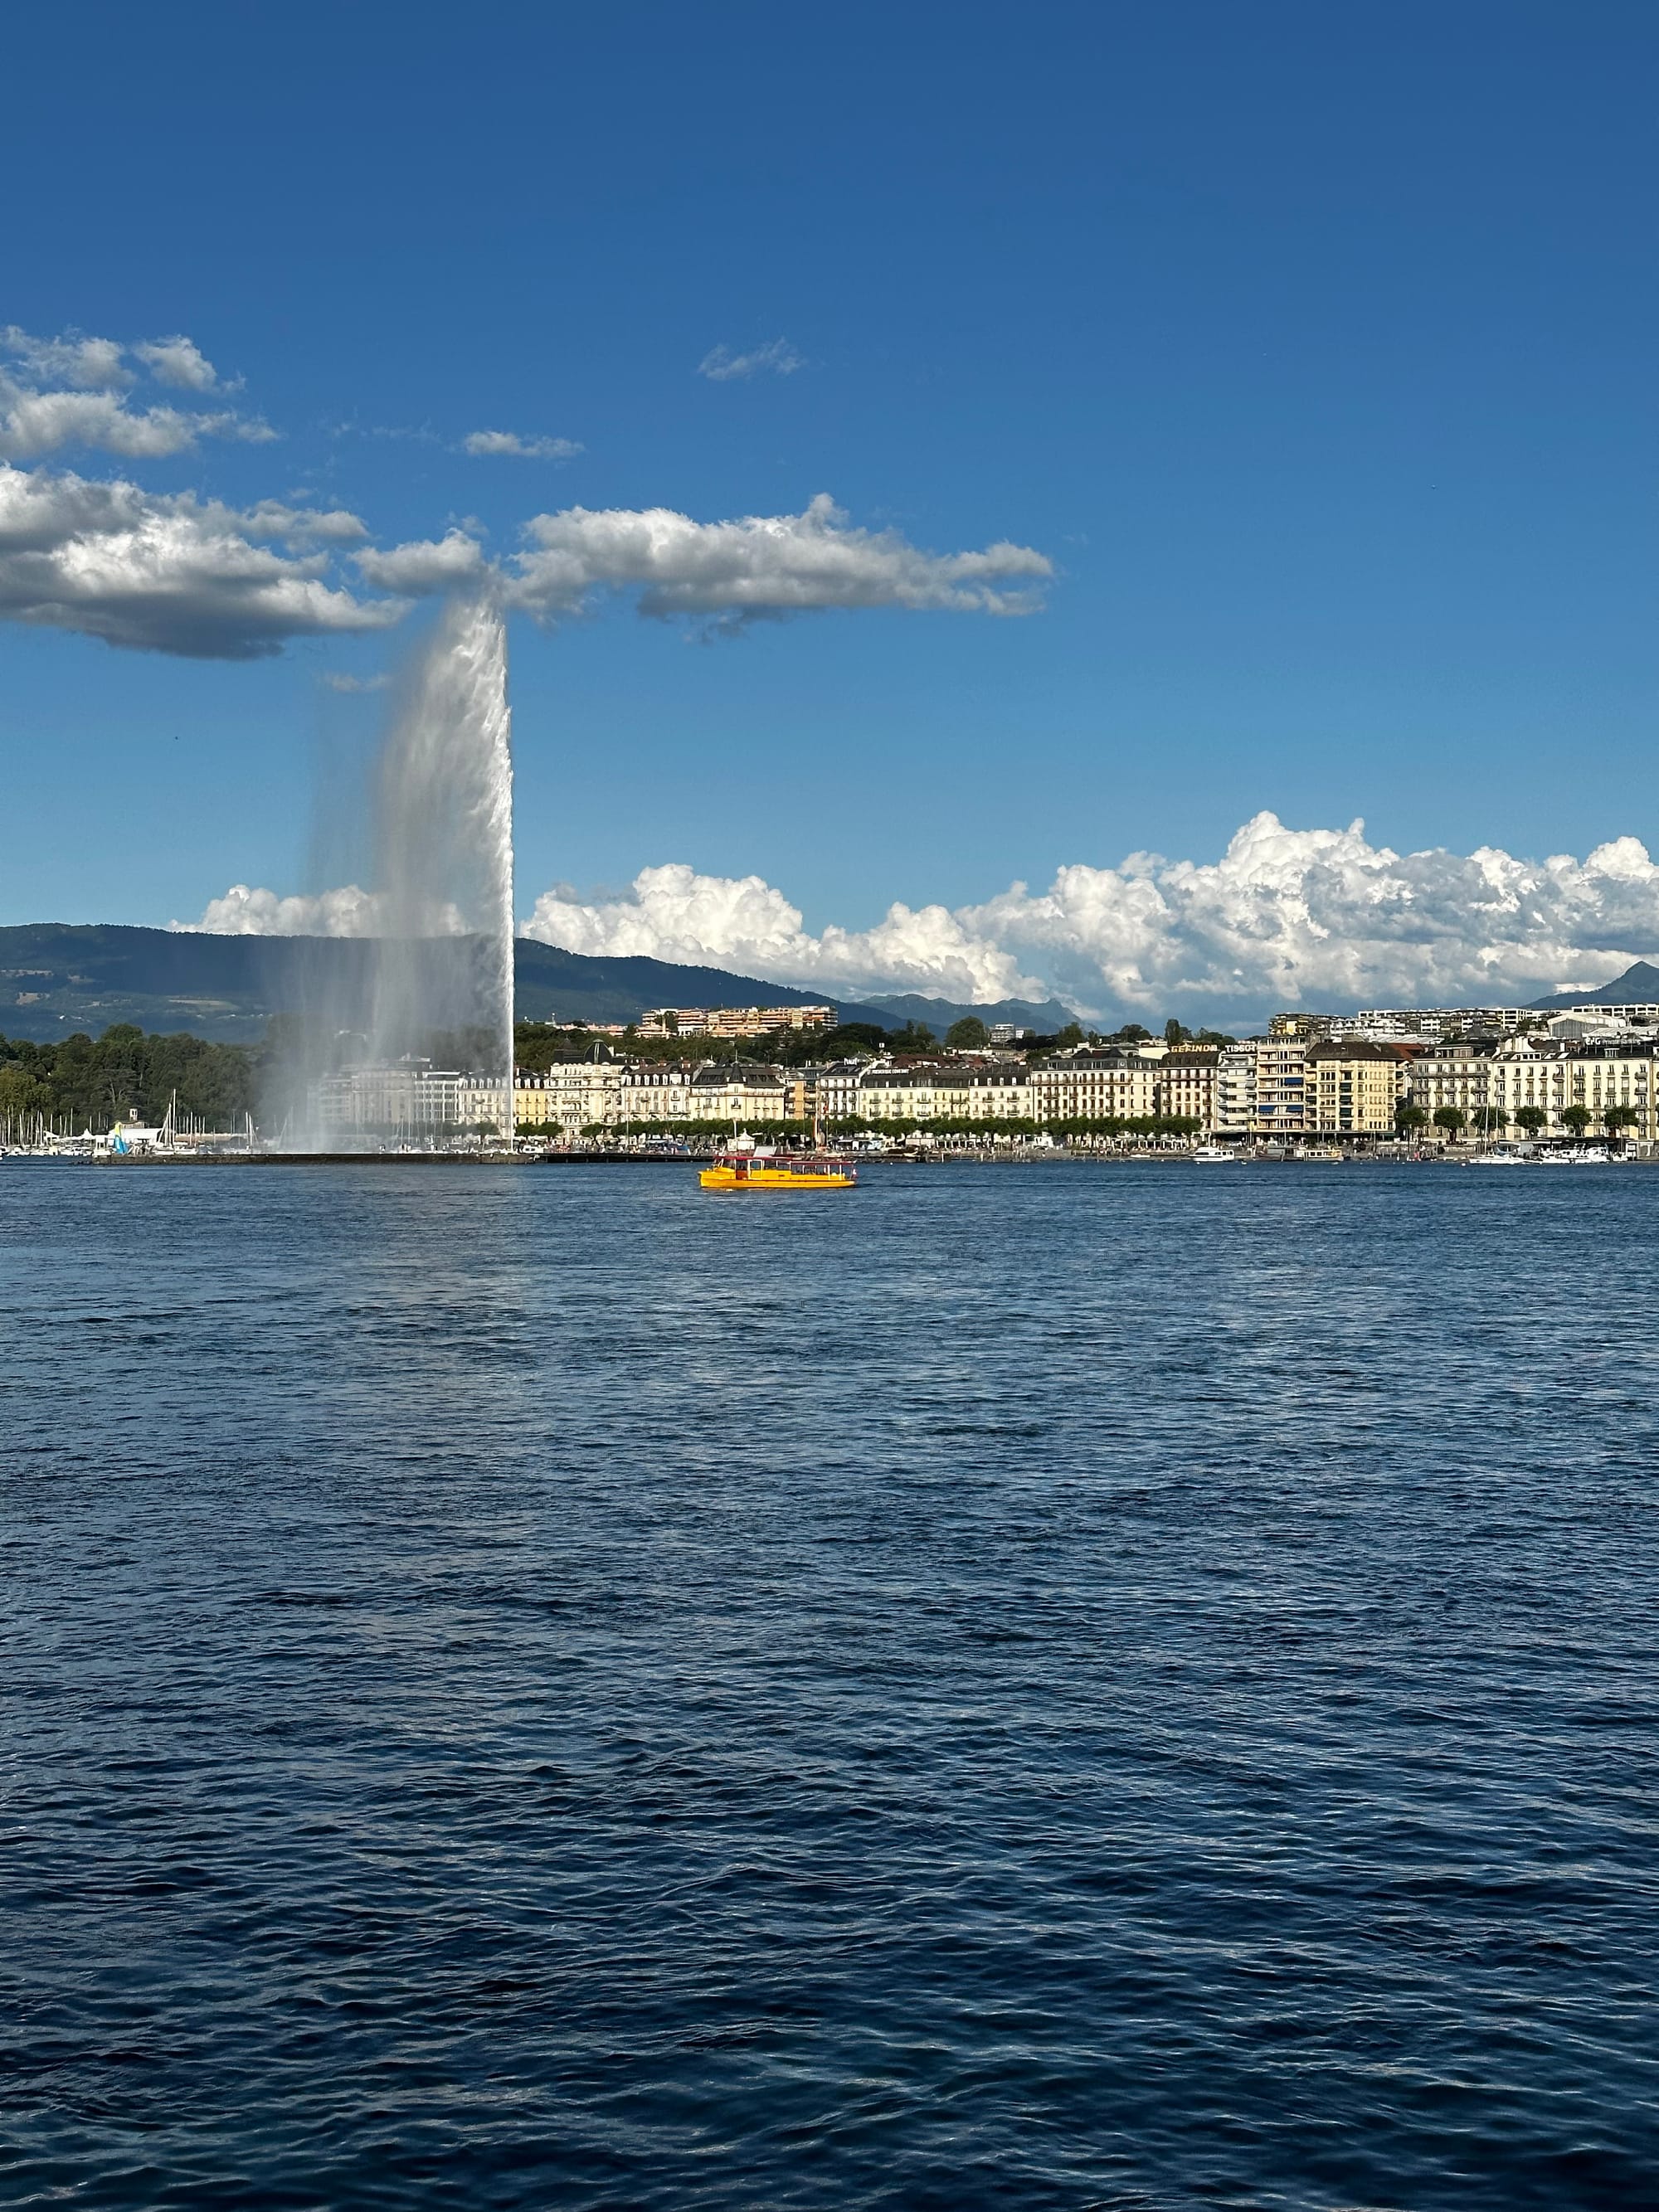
(529, 449)
(89, 364)
(1318, 918)
(246, 911)
(758, 565)
(168, 574)
(73, 390)
(671, 913)
(337, 680)
(722, 366)
(179, 362)
(36, 423)
(300, 525)
(426, 565)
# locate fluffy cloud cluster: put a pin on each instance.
(244, 912)
(758, 565)
(778, 358)
(348, 912)
(1284, 918)
(742, 922)
(76, 390)
(510, 443)
(178, 574)
(1318, 918)
(171, 573)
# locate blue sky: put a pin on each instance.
(1314, 347)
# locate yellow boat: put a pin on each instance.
(746, 1165)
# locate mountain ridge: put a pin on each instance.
(58, 977)
(1638, 987)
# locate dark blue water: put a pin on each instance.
(1066, 1687)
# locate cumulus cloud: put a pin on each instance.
(722, 366)
(528, 449)
(168, 574)
(758, 565)
(673, 912)
(1315, 918)
(247, 911)
(426, 565)
(179, 362)
(73, 391)
(85, 363)
(244, 911)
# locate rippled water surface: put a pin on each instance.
(1051, 1686)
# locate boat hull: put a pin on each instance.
(764, 1178)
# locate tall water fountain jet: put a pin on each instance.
(444, 847)
(436, 979)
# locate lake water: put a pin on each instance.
(1066, 1685)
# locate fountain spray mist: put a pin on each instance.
(436, 979)
(444, 845)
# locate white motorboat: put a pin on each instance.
(1212, 1155)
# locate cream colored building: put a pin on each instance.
(1556, 1076)
(1547, 1073)
(1187, 1082)
(572, 1096)
(1094, 1085)
(1352, 1088)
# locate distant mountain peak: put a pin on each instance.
(1638, 987)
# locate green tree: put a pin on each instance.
(1409, 1119)
(1617, 1117)
(1175, 1034)
(1532, 1118)
(1577, 1119)
(967, 1034)
(1451, 1119)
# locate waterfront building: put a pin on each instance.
(1094, 1082)
(737, 1096)
(571, 1095)
(409, 1102)
(1557, 1073)
(836, 1091)
(1278, 1111)
(1491, 1084)
(983, 1093)
(1233, 1113)
(1452, 1075)
(1353, 1087)
(1187, 1078)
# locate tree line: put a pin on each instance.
(80, 1082)
(1487, 1120)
